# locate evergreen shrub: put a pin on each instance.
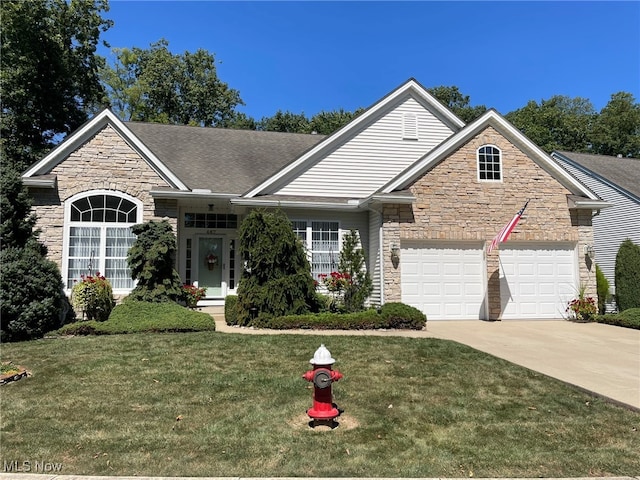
(602, 287)
(400, 315)
(627, 276)
(231, 309)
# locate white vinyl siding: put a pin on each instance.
(372, 156)
(537, 281)
(374, 259)
(612, 225)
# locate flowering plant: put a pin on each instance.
(336, 281)
(93, 297)
(193, 294)
(582, 308)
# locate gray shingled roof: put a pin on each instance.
(624, 172)
(224, 161)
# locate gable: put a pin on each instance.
(374, 146)
(365, 162)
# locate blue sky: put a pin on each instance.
(313, 56)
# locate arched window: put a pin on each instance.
(489, 163)
(98, 236)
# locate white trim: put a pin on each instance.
(90, 128)
(501, 164)
(490, 118)
(411, 87)
(68, 224)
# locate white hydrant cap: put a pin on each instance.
(322, 357)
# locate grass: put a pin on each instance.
(211, 404)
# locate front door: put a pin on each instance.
(211, 266)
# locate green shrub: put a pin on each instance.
(277, 278)
(629, 318)
(231, 309)
(133, 316)
(151, 259)
(352, 263)
(627, 276)
(603, 289)
(92, 297)
(32, 299)
(400, 315)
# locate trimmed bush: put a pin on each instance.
(136, 317)
(627, 276)
(629, 318)
(231, 309)
(400, 315)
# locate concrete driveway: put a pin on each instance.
(598, 358)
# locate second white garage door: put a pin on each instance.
(444, 280)
(537, 281)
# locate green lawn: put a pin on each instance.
(196, 404)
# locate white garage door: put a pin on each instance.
(444, 280)
(537, 281)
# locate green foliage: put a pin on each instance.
(323, 123)
(457, 102)
(402, 316)
(16, 227)
(231, 309)
(630, 318)
(151, 259)
(391, 316)
(277, 277)
(560, 123)
(192, 295)
(93, 297)
(141, 317)
(627, 275)
(616, 130)
(603, 289)
(352, 262)
(48, 72)
(155, 85)
(32, 300)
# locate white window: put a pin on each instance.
(322, 242)
(489, 163)
(98, 236)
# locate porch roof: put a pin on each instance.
(221, 160)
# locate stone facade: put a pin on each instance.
(452, 204)
(104, 162)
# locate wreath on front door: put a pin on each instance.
(211, 260)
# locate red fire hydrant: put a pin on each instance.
(322, 377)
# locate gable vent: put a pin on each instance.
(410, 126)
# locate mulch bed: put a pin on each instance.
(14, 376)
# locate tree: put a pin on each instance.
(325, 123)
(285, 122)
(277, 277)
(617, 129)
(48, 72)
(151, 259)
(627, 276)
(352, 262)
(457, 102)
(155, 85)
(560, 123)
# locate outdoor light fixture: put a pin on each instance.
(588, 251)
(395, 251)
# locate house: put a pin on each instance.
(615, 180)
(425, 192)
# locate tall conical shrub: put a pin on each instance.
(627, 276)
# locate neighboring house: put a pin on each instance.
(425, 193)
(617, 181)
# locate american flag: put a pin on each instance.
(503, 234)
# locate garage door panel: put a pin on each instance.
(537, 281)
(451, 279)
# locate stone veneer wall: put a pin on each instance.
(104, 162)
(451, 204)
